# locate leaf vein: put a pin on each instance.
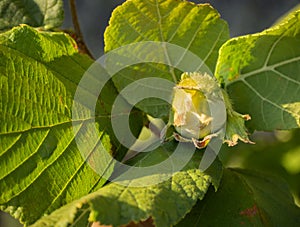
(242, 77)
(179, 25)
(213, 47)
(130, 26)
(28, 157)
(272, 49)
(269, 101)
(11, 145)
(144, 15)
(46, 167)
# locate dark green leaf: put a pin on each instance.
(46, 14)
(245, 198)
(261, 74)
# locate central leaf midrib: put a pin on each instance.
(58, 124)
(47, 66)
(266, 69)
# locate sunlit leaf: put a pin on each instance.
(166, 203)
(196, 29)
(41, 166)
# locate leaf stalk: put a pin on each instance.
(79, 36)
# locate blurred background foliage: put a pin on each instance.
(277, 153)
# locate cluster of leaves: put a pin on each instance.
(45, 181)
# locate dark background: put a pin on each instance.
(243, 17)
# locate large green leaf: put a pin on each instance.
(166, 203)
(246, 198)
(261, 74)
(41, 166)
(287, 15)
(194, 29)
(281, 150)
(47, 14)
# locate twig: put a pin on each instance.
(79, 37)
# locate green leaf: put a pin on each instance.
(46, 14)
(246, 198)
(281, 150)
(260, 73)
(41, 166)
(235, 124)
(191, 27)
(117, 204)
(287, 15)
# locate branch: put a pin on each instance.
(79, 37)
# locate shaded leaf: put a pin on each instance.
(246, 198)
(46, 14)
(235, 124)
(280, 149)
(260, 73)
